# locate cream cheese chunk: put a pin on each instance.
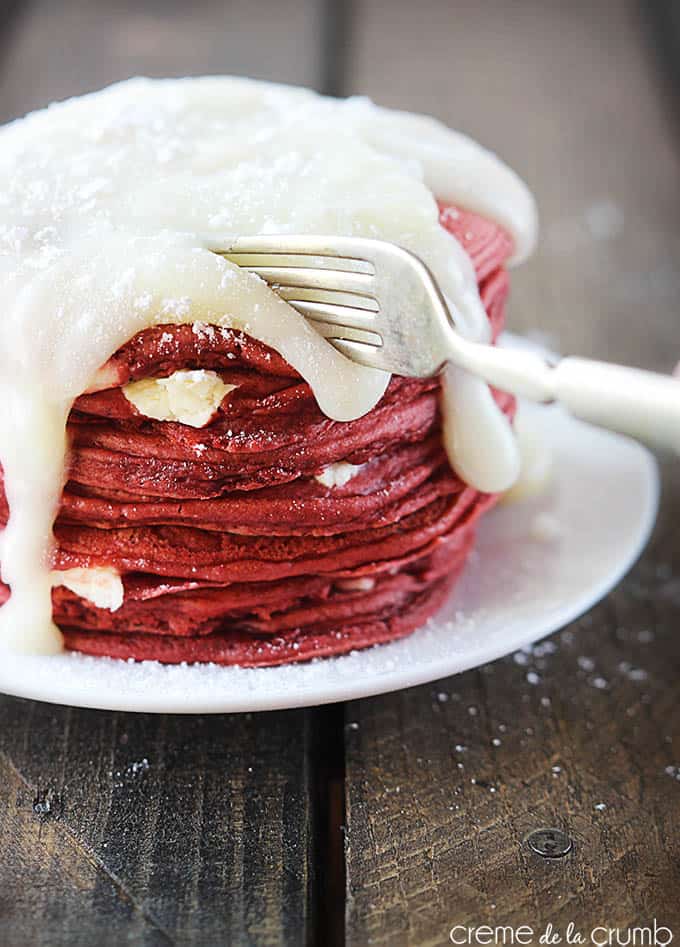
(101, 585)
(190, 397)
(110, 210)
(337, 475)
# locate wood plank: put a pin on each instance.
(154, 829)
(429, 848)
(75, 46)
(435, 836)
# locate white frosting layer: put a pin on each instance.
(107, 206)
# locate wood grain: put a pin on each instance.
(435, 836)
(154, 829)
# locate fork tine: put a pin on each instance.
(344, 316)
(334, 332)
(309, 278)
(252, 259)
(371, 356)
(294, 294)
(352, 248)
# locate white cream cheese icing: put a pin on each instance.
(108, 205)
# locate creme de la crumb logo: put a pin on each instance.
(524, 935)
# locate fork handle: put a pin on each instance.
(643, 404)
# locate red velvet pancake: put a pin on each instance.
(229, 548)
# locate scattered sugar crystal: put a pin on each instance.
(450, 213)
(586, 664)
(123, 283)
(142, 302)
(176, 307)
(137, 767)
(203, 331)
(543, 648)
(600, 806)
(533, 677)
(632, 673)
(495, 741)
(600, 683)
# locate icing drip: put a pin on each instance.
(108, 204)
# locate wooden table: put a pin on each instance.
(356, 823)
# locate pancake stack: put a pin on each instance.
(272, 534)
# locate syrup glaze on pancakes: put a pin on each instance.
(109, 204)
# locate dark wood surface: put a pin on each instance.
(158, 830)
(154, 829)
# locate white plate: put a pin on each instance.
(526, 578)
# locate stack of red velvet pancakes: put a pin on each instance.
(271, 534)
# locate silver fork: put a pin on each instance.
(380, 305)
